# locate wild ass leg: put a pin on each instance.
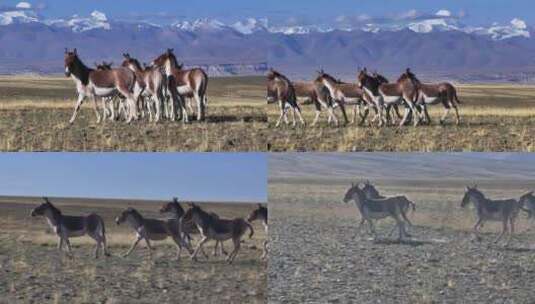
(69, 248)
(282, 106)
(133, 246)
(95, 107)
(457, 118)
(234, 252)
(199, 247)
(504, 230)
(511, 231)
(443, 118)
(79, 102)
(200, 106)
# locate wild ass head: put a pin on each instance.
(260, 211)
(42, 209)
(131, 63)
(469, 193)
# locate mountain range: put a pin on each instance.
(437, 44)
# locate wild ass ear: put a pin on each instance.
(175, 199)
(66, 50)
(75, 52)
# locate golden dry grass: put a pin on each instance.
(34, 114)
(493, 118)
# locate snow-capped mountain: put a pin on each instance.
(441, 21)
(438, 42)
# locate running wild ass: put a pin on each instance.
(372, 193)
(100, 83)
(280, 89)
(189, 227)
(378, 208)
(431, 94)
(261, 214)
(66, 226)
(152, 230)
(504, 211)
(217, 229)
(192, 82)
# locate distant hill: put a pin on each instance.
(436, 47)
(403, 166)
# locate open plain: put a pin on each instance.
(32, 270)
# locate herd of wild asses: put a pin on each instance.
(373, 206)
(165, 89)
(371, 91)
(136, 91)
(179, 228)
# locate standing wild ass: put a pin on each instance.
(153, 83)
(504, 211)
(187, 82)
(100, 83)
(378, 208)
(212, 228)
(66, 226)
(385, 94)
(152, 230)
(280, 89)
(261, 214)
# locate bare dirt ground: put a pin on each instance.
(317, 256)
(34, 114)
(493, 118)
(32, 271)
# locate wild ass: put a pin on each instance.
(216, 229)
(372, 193)
(153, 82)
(310, 91)
(189, 226)
(66, 226)
(152, 230)
(527, 203)
(378, 208)
(504, 211)
(385, 94)
(431, 94)
(100, 83)
(280, 89)
(187, 82)
(261, 214)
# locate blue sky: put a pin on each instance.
(473, 12)
(189, 176)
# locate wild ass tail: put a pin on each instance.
(456, 97)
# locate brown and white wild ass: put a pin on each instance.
(191, 82)
(404, 91)
(431, 94)
(344, 93)
(153, 83)
(279, 88)
(67, 226)
(100, 83)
